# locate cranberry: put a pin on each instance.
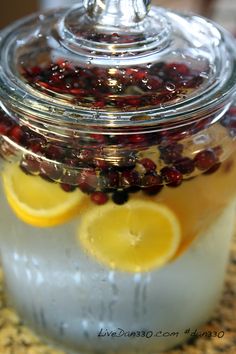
(98, 138)
(137, 138)
(120, 197)
(101, 164)
(148, 164)
(46, 177)
(213, 169)
(171, 153)
(5, 125)
(205, 159)
(86, 156)
(154, 83)
(16, 134)
(185, 165)
(152, 183)
(87, 181)
(36, 145)
(131, 180)
(180, 68)
(51, 170)
(55, 152)
(30, 164)
(171, 176)
(99, 198)
(67, 187)
(109, 180)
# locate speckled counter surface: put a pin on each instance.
(15, 338)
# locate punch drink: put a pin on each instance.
(117, 147)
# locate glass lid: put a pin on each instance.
(109, 62)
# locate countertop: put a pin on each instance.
(15, 338)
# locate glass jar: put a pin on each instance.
(117, 145)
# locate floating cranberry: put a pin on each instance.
(154, 83)
(137, 138)
(185, 165)
(36, 145)
(152, 183)
(67, 187)
(98, 138)
(5, 124)
(101, 164)
(55, 152)
(99, 198)
(86, 156)
(205, 159)
(109, 180)
(130, 180)
(171, 153)
(179, 68)
(87, 181)
(212, 169)
(30, 164)
(16, 134)
(171, 176)
(148, 164)
(51, 170)
(120, 197)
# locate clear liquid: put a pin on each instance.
(68, 297)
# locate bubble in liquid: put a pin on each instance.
(170, 86)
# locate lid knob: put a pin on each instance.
(117, 12)
(114, 30)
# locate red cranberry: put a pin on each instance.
(139, 74)
(5, 125)
(130, 179)
(205, 159)
(36, 145)
(171, 153)
(101, 164)
(180, 68)
(87, 181)
(137, 138)
(134, 102)
(16, 134)
(171, 176)
(98, 138)
(51, 170)
(55, 152)
(30, 164)
(185, 165)
(148, 164)
(109, 180)
(99, 198)
(120, 197)
(67, 187)
(152, 183)
(154, 83)
(86, 156)
(212, 169)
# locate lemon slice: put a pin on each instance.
(38, 202)
(137, 236)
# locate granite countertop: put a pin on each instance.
(15, 338)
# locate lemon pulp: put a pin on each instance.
(137, 236)
(38, 202)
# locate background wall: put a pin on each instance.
(223, 11)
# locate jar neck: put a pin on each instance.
(117, 12)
